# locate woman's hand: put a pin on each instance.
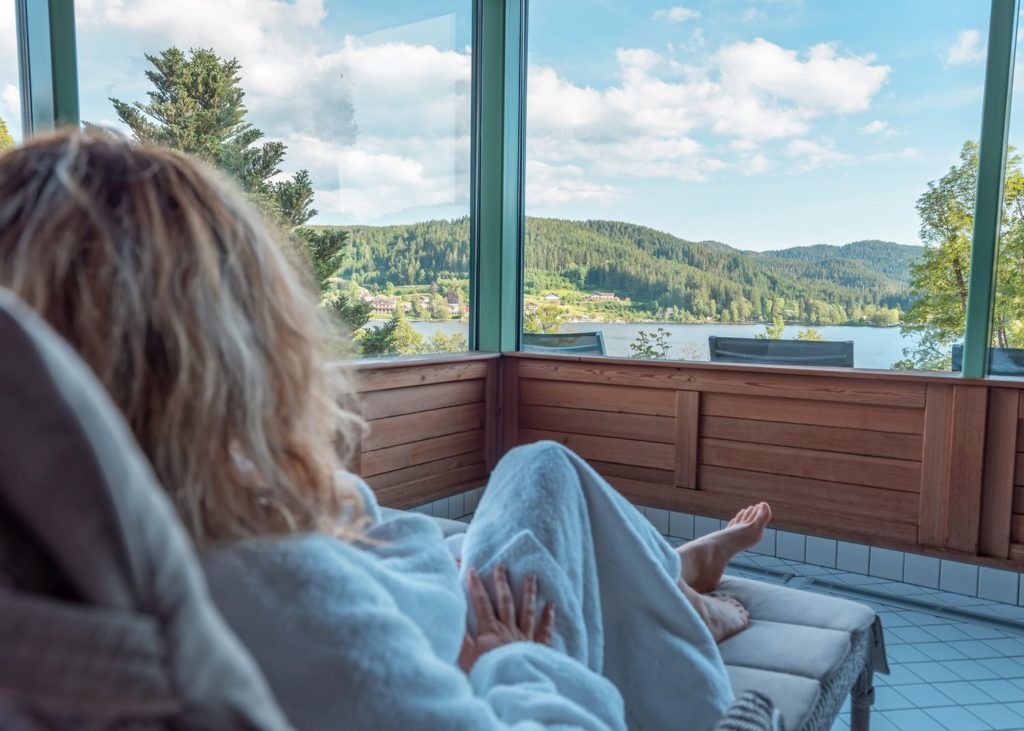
(497, 623)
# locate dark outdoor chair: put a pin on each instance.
(1001, 361)
(836, 353)
(591, 343)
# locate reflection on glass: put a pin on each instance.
(748, 172)
(10, 101)
(346, 122)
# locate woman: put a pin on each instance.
(174, 291)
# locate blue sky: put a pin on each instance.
(825, 152)
(759, 123)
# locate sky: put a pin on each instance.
(758, 123)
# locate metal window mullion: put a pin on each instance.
(499, 67)
(47, 64)
(995, 123)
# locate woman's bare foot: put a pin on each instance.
(723, 615)
(704, 559)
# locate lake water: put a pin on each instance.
(873, 347)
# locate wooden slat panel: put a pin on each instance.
(428, 450)
(408, 475)
(509, 421)
(492, 414)
(632, 472)
(687, 438)
(998, 492)
(799, 411)
(891, 474)
(1018, 499)
(607, 449)
(791, 516)
(967, 464)
(938, 435)
(598, 423)
(1018, 469)
(433, 487)
(828, 439)
(393, 402)
(395, 430)
(808, 387)
(1017, 529)
(597, 397)
(863, 503)
(401, 375)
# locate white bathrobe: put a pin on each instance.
(366, 636)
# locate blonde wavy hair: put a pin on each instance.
(177, 294)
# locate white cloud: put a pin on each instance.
(555, 185)
(755, 165)
(677, 14)
(812, 155)
(752, 14)
(876, 127)
(381, 122)
(968, 48)
(907, 153)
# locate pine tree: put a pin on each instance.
(197, 106)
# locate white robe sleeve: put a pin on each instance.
(339, 653)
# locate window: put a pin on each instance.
(10, 101)
(1006, 356)
(365, 109)
(750, 169)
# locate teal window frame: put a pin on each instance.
(49, 89)
(47, 64)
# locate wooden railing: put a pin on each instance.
(431, 430)
(931, 463)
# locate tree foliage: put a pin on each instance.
(652, 345)
(774, 330)
(6, 138)
(547, 318)
(938, 312)
(665, 277)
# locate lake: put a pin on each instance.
(873, 347)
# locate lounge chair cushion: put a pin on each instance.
(104, 612)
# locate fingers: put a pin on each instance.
(528, 612)
(478, 596)
(503, 595)
(546, 629)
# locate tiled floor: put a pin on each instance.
(950, 670)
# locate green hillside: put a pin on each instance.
(664, 276)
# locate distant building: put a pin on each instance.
(603, 297)
(384, 305)
(456, 308)
(365, 295)
(424, 300)
(552, 297)
(531, 306)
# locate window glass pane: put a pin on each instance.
(740, 169)
(10, 101)
(371, 102)
(1006, 358)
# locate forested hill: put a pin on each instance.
(661, 273)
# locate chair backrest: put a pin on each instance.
(105, 618)
(588, 343)
(837, 353)
(1001, 361)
